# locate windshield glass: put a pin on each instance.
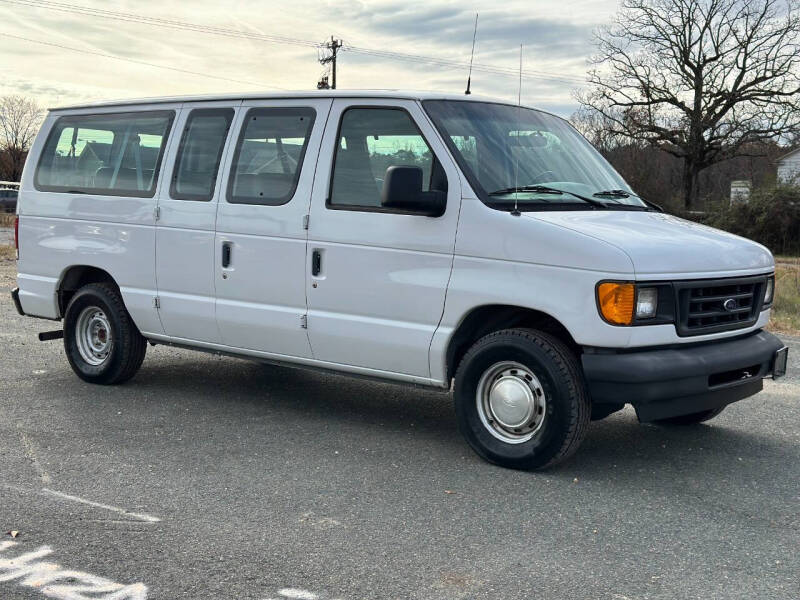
(518, 154)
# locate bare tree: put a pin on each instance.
(599, 129)
(20, 119)
(703, 80)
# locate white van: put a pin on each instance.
(414, 237)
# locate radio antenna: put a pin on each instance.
(516, 212)
(471, 55)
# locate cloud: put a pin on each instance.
(438, 28)
(451, 29)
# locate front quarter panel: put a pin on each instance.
(509, 260)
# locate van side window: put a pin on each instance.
(199, 154)
(370, 141)
(269, 155)
(108, 154)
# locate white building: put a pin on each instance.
(789, 167)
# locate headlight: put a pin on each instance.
(769, 291)
(623, 303)
(646, 303)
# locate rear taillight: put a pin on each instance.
(16, 235)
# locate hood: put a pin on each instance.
(660, 244)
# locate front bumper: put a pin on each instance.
(677, 381)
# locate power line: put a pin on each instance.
(186, 26)
(271, 38)
(131, 60)
(157, 21)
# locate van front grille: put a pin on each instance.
(718, 305)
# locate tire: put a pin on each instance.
(510, 426)
(691, 419)
(102, 343)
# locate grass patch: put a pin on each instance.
(786, 309)
(7, 219)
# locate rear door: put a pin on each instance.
(376, 278)
(260, 249)
(185, 265)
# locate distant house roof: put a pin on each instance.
(787, 155)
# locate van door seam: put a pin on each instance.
(307, 229)
(223, 177)
(446, 291)
(157, 208)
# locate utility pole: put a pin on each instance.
(333, 46)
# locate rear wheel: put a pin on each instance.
(691, 419)
(102, 343)
(520, 399)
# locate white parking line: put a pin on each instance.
(54, 581)
(297, 594)
(139, 516)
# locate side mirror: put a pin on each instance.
(402, 190)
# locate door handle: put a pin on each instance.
(316, 263)
(226, 254)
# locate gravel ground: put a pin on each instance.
(215, 478)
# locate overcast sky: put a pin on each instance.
(556, 36)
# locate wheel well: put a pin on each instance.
(484, 320)
(75, 278)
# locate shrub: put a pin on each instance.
(771, 218)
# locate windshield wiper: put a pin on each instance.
(543, 189)
(613, 194)
(626, 194)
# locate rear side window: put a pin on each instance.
(109, 154)
(269, 155)
(199, 154)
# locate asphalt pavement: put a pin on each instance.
(215, 478)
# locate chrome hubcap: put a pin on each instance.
(511, 402)
(93, 333)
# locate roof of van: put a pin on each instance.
(396, 94)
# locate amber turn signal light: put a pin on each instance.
(616, 302)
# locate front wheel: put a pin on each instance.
(102, 343)
(520, 399)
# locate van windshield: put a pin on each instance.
(516, 155)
